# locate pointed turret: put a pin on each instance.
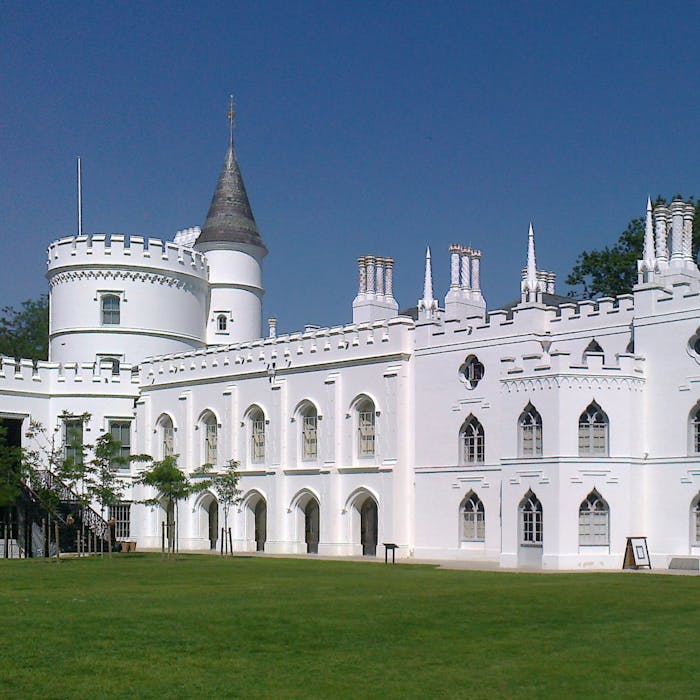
(427, 306)
(531, 285)
(648, 256)
(230, 218)
(234, 251)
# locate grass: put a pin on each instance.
(255, 627)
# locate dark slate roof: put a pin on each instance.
(547, 299)
(230, 218)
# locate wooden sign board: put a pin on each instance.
(636, 553)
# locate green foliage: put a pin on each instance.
(613, 270)
(224, 483)
(24, 332)
(11, 474)
(104, 484)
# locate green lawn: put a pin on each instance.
(254, 627)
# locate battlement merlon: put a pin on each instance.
(110, 250)
(54, 378)
(337, 345)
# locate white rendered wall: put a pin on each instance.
(161, 287)
(236, 292)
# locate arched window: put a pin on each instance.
(221, 322)
(695, 430)
(473, 519)
(530, 432)
(309, 432)
(530, 520)
(366, 418)
(211, 438)
(593, 431)
(472, 441)
(167, 436)
(695, 520)
(110, 310)
(256, 420)
(593, 521)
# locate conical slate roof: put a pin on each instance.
(230, 218)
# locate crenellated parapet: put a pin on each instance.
(125, 297)
(53, 378)
(318, 349)
(101, 250)
(563, 369)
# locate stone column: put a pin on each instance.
(380, 276)
(369, 260)
(476, 257)
(466, 268)
(389, 280)
(660, 218)
(362, 272)
(272, 326)
(677, 210)
(454, 266)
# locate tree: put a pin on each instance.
(225, 483)
(613, 270)
(104, 485)
(10, 482)
(171, 485)
(24, 332)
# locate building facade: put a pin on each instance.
(543, 434)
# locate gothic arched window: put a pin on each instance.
(256, 424)
(530, 519)
(166, 432)
(530, 432)
(366, 419)
(221, 322)
(593, 521)
(472, 441)
(308, 417)
(695, 430)
(473, 518)
(593, 431)
(210, 438)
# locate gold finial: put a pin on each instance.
(231, 117)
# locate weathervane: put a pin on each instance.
(231, 117)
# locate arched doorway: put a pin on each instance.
(368, 527)
(311, 526)
(260, 525)
(213, 511)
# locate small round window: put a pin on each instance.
(471, 372)
(693, 347)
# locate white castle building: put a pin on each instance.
(543, 434)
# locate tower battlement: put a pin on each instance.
(104, 250)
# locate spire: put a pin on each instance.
(427, 306)
(648, 255)
(428, 282)
(531, 279)
(230, 218)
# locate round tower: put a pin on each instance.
(234, 250)
(114, 298)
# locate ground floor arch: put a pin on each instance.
(311, 525)
(369, 521)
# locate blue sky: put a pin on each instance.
(362, 128)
